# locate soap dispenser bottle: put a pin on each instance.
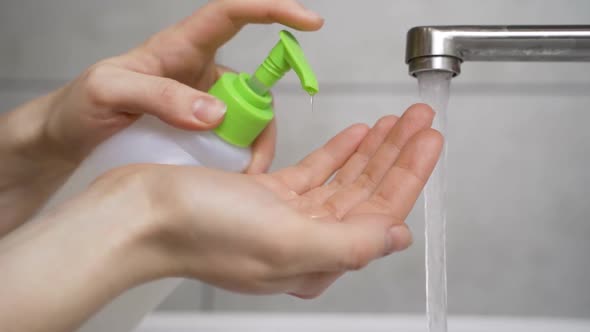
(249, 111)
(148, 140)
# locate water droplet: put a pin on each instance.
(311, 101)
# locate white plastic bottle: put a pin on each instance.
(249, 110)
(148, 141)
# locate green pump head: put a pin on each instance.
(249, 103)
(286, 55)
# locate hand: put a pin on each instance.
(290, 231)
(272, 233)
(167, 76)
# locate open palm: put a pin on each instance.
(294, 230)
(377, 176)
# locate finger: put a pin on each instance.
(416, 118)
(221, 69)
(313, 284)
(366, 150)
(174, 103)
(338, 247)
(317, 167)
(263, 150)
(357, 162)
(399, 190)
(217, 22)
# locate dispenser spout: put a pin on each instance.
(286, 55)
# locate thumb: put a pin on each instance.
(173, 102)
(338, 247)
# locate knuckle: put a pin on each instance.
(257, 274)
(315, 285)
(129, 176)
(387, 121)
(434, 137)
(168, 91)
(277, 250)
(357, 258)
(421, 110)
(332, 208)
(380, 203)
(278, 254)
(96, 81)
(366, 182)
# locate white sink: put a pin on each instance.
(226, 322)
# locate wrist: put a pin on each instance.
(129, 224)
(25, 129)
(163, 230)
(72, 250)
(30, 169)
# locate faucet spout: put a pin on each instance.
(445, 48)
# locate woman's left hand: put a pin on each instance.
(288, 231)
(291, 231)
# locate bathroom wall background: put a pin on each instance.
(519, 144)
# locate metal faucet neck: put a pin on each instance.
(446, 47)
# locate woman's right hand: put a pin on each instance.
(167, 77)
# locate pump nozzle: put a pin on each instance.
(249, 105)
(286, 55)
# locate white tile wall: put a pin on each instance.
(59, 38)
(518, 144)
(189, 296)
(11, 99)
(364, 41)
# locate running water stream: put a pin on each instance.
(434, 90)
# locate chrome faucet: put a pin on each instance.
(445, 48)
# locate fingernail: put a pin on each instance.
(209, 110)
(398, 239)
(313, 14)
